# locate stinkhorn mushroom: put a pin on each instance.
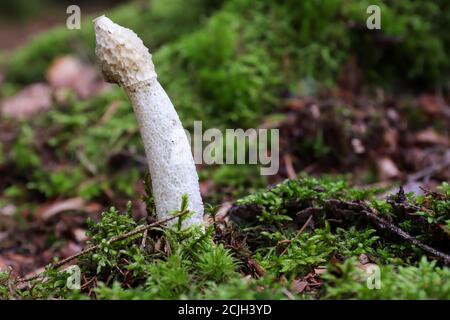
(125, 60)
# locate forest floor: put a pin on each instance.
(70, 150)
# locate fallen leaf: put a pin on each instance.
(80, 235)
(256, 267)
(295, 104)
(320, 271)
(358, 147)
(205, 187)
(363, 259)
(70, 249)
(298, 286)
(27, 102)
(68, 72)
(49, 210)
(429, 104)
(368, 267)
(8, 210)
(315, 111)
(387, 168)
(430, 136)
(289, 166)
(223, 210)
(390, 138)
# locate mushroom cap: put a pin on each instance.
(123, 57)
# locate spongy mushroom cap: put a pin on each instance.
(123, 57)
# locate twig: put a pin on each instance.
(144, 238)
(123, 236)
(298, 233)
(288, 294)
(338, 209)
(402, 234)
(304, 225)
(430, 170)
(8, 280)
(289, 166)
(383, 224)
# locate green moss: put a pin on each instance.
(230, 68)
(176, 264)
(175, 17)
(422, 281)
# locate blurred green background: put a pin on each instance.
(231, 64)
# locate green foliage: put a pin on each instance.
(57, 183)
(112, 224)
(265, 288)
(175, 17)
(187, 260)
(301, 253)
(4, 284)
(188, 263)
(235, 180)
(273, 230)
(229, 68)
(422, 281)
(23, 153)
(276, 203)
(418, 44)
(219, 78)
(168, 279)
(216, 265)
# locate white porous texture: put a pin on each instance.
(122, 55)
(126, 61)
(168, 152)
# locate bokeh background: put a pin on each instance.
(370, 106)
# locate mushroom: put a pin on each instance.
(125, 60)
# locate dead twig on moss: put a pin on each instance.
(338, 211)
(383, 224)
(120, 237)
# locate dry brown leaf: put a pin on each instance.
(70, 249)
(223, 210)
(3, 264)
(363, 259)
(429, 104)
(49, 210)
(256, 267)
(27, 102)
(430, 136)
(390, 138)
(295, 104)
(298, 286)
(320, 270)
(289, 166)
(387, 168)
(67, 72)
(205, 187)
(80, 235)
(358, 146)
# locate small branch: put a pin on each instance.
(123, 236)
(144, 238)
(338, 209)
(304, 225)
(383, 224)
(402, 234)
(289, 166)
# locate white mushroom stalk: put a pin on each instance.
(126, 61)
